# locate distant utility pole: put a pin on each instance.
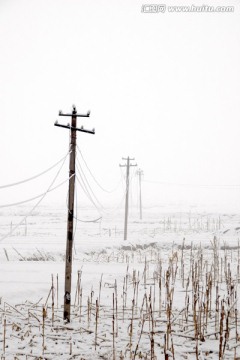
(69, 245)
(128, 165)
(140, 173)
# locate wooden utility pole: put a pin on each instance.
(70, 219)
(128, 165)
(140, 173)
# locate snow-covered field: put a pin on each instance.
(169, 291)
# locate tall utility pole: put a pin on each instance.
(140, 173)
(128, 165)
(69, 245)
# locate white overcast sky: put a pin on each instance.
(163, 88)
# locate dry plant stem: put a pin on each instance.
(221, 274)
(91, 302)
(6, 254)
(207, 301)
(96, 323)
(187, 302)
(210, 292)
(236, 325)
(160, 295)
(201, 316)
(221, 332)
(173, 352)
(238, 267)
(195, 317)
(12, 307)
(88, 312)
(116, 308)
(152, 330)
(100, 289)
(182, 263)
(44, 314)
(139, 339)
(131, 329)
(217, 311)
(166, 357)
(142, 317)
(70, 346)
(57, 291)
(145, 273)
(113, 328)
(48, 297)
(215, 259)
(52, 301)
(169, 307)
(80, 306)
(236, 335)
(136, 300)
(78, 287)
(226, 332)
(154, 294)
(4, 336)
(123, 299)
(126, 286)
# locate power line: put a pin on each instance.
(75, 228)
(87, 189)
(88, 221)
(101, 210)
(80, 220)
(194, 185)
(87, 193)
(76, 209)
(90, 172)
(85, 186)
(35, 176)
(84, 178)
(35, 206)
(36, 197)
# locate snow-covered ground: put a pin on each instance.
(155, 296)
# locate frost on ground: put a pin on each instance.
(169, 292)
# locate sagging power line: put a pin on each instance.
(35, 197)
(86, 187)
(35, 176)
(94, 178)
(50, 188)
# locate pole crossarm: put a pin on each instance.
(77, 115)
(68, 126)
(130, 159)
(127, 165)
